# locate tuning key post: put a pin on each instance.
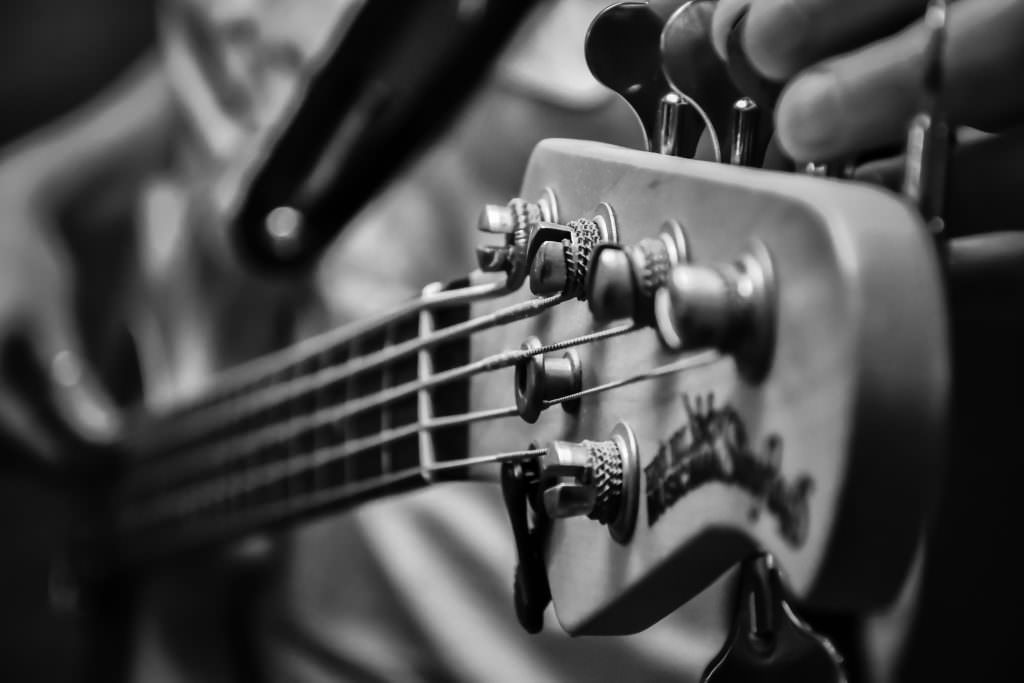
(560, 257)
(729, 307)
(516, 222)
(745, 120)
(544, 377)
(623, 279)
(596, 479)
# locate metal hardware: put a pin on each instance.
(768, 642)
(599, 479)
(694, 70)
(830, 169)
(623, 279)
(745, 119)
(672, 114)
(560, 256)
(623, 52)
(531, 591)
(542, 378)
(930, 137)
(730, 308)
(516, 221)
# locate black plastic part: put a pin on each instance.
(395, 78)
(531, 592)
(768, 642)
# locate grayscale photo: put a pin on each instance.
(511, 341)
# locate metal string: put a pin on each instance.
(198, 496)
(265, 367)
(160, 474)
(192, 425)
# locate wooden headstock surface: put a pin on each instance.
(829, 462)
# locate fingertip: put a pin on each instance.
(809, 115)
(775, 37)
(82, 401)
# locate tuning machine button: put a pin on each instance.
(516, 221)
(543, 378)
(597, 479)
(623, 52)
(560, 256)
(623, 279)
(694, 69)
(730, 307)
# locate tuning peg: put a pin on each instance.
(728, 307)
(695, 70)
(743, 147)
(543, 378)
(599, 479)
(623, 52)
(560, 256)
(516, 221)
(624, 279)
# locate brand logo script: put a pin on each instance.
(713, 446)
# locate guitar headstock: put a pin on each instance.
(772, 375)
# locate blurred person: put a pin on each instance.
(415, 587)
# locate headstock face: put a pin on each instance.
(827, 462)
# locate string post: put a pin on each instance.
(540, 378)
(516, 221)
(728, 307)
(623, 279)
(560, 256)
(596, 479)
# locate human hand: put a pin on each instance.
(52, 408)
(854, 70)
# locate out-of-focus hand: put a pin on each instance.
(854, 70)
(51, 406)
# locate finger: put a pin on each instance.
(865, 98)
(31, 443)
(75, 393)
(781, 37)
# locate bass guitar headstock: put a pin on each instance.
(737, 362)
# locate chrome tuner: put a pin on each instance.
(543, 378)
(560, 256)
(730, 307)
(516, 221)
(596, 479)
(623, 279)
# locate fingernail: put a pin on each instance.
(96, 421)
(809, 117)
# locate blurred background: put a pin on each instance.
(55, 55)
